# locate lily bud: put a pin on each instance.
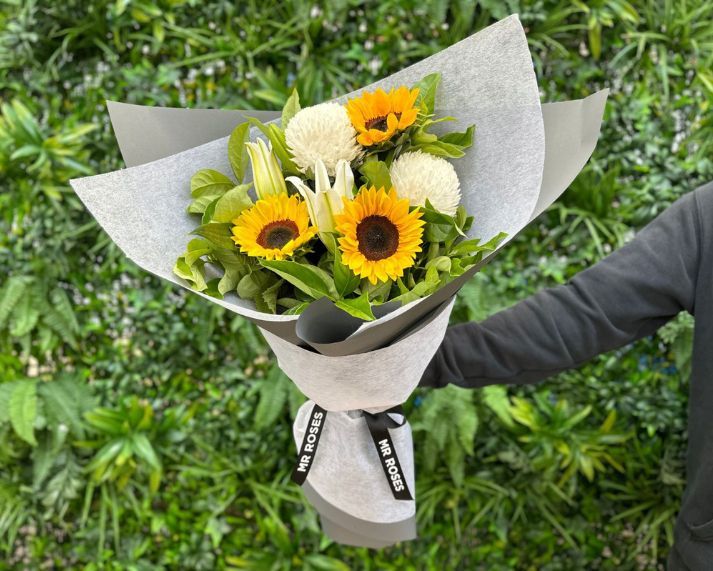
(267, 174)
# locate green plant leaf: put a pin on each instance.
(6, 390)
(495, 397)
(23, 410)
(218, 233)
(200, 204)
(312, 280)
(232, 203)
(192, 273)
(235, 266)
(10, 295)
(269, 296)
(345, 281)
(254, 283)
(210, 182)
(292, 106)
(62, 403)
(273, 390)
(428, 86)
(358, 307)
(462, 139)
(237, 153)
(441, 149)
(376, 174)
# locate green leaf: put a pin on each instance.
(473, 246)
(462, 139)
(427, 92)
(253, 284)
(232, 203)
(6, 390)
(23, 410)
(441, 149)
(495, 397)
(62, 405)
(200, 204)
(209, 210)
(193, 273)
(376, 174)
(312, 280)
(217, 233)
(345, 281)
(24, 316)
(292, 106)
(269, 296)
(237, 153)
(297, 309)
(235, 265)
(210, 182)
(144, 450)
(10, 295)
(197, 248)
(358, 307)
(420, 290)
(273, 390)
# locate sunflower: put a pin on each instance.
(380, 237)
(273, 228)
(379, 115)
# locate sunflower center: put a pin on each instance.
(277, 233)
(379, 123)
(378, 237)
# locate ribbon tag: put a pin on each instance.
(379, 425)
(309, 444)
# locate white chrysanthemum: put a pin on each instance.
(419, 176)
(322, 132)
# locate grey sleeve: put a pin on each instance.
(624, 297)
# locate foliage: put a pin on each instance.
(583, 472)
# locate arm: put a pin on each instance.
(624, 297)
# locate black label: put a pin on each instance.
(378, 427)
(309, 444)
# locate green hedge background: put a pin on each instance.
(142, 428)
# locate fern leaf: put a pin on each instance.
(23, 410)
(10, 295)
(273, 394)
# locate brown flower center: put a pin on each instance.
(378, 237)
(277, 233)
(379, 123)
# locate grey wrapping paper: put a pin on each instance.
(165, 131)
(372, 381)
(347, 485)
(487, 79)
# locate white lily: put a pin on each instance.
(267, 174)
(325, 201)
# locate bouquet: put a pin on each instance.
(344, 231)
(356, 203)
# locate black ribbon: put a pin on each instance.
(379, 425)
(309, 444)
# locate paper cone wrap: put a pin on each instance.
(347, 485)
(373, 381)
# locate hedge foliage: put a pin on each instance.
(142, 428)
